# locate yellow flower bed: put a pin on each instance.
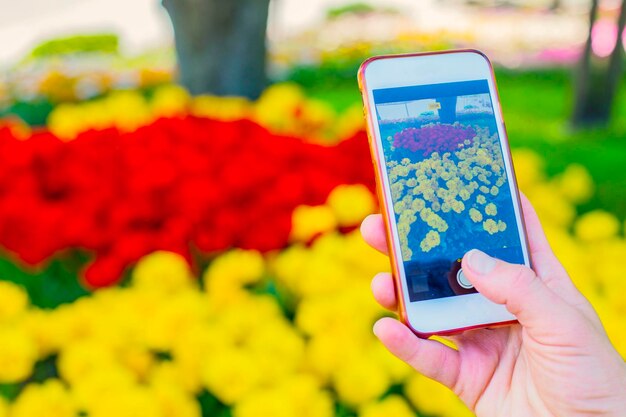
(282, 108)
(282, 334)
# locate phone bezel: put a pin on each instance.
(448, 315)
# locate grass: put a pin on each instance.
(537, 106)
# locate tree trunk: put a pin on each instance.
(220, 45)
(582, 89)
(596, 87)
(556, 5)
(614, 72)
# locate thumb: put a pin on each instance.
(520, 290)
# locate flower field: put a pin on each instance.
(226, 273)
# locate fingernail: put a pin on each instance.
(480, 262)
(376, 328)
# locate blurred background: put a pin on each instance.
(181, 185)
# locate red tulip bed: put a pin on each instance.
(179, 184)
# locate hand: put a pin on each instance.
(557, 362)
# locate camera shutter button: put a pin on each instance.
(463, 281)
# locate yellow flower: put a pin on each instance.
(231, 374)
(457, 206)
(13, 300)
(190, 350)
(173, 317)
(49, 399)
(103, 383)
(432, 398)
(491, 209)
(475, 215)
(490, 226)
(45, 330)
(397, 188)
(18, 353)
(333, 314)
(351, 203)
(296, 396)
(431, 240)
(418, 204)
(350, 122)
(314, 120)
(221, 108)
(309, 221)
(162, 271)
(238, 266)
(575, 183)
(126, 110)
(596, 225)
(396, 368)
(277, 106)
(392, 405)
(58, 86)
(550, 206)
(169, 374)
(4, 407)
(528, 168)
(128, 402)
(138, 360)
(323, 356)
(360, 379)
(278, 350)
(434, 220)
(174, 402)
(169, 101)
(83, 358)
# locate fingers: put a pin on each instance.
(539, 246)
(429, 357)
(373, 231)
(544, 262)
(541, 311)
(383, 288)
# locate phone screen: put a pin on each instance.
(448, 182)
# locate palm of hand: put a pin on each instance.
(557, 362)
(505, 372)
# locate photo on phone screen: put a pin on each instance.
(448, 182)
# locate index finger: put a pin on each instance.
(373, 231)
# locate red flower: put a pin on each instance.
(173, 185)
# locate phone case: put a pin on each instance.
(387, 207)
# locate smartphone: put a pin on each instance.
(445, 182)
